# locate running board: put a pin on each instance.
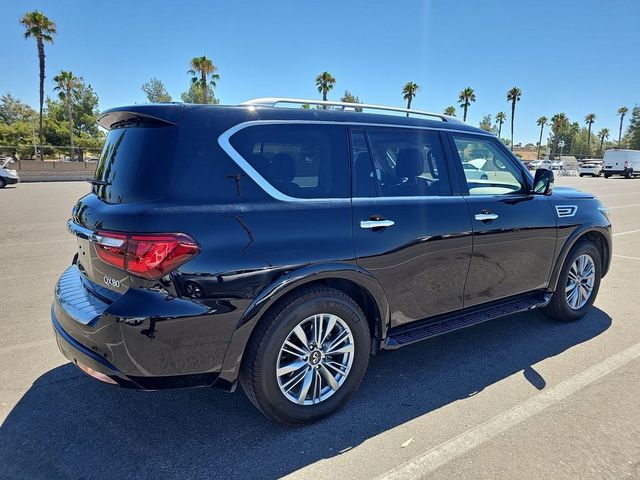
(421, 330)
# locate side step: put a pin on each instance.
(421, 330)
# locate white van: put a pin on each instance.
(621, 162)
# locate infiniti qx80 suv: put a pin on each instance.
(282, 247)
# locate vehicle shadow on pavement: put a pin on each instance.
(69, 426)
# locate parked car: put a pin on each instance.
(593, 169)
(557, 165)
(621, 162)
(7, 176)
(473, 172)
(279, 248)
(548, 164)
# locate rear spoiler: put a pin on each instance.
(168, 114)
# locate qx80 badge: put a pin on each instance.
(111, 282)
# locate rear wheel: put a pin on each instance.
(3, 182)
(628, 173)
(582, 174)
(606, 176)
(578, 284)
(307, 356)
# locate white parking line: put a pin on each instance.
(422, 465)
(626, 233)
(25, 346)
(624, 206)
(19, 244)
(624, 256)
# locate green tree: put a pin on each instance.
(513, 96)
(203, 81)
(486, 124)
(589, 119)
(325, 82)
(67, 85)
(409, 93)
(85, 114)
(633, 132)
(465, 98)
(603, 134)
(13, 110)
(501, 117)
(349, 97)
(155, 91)
(542, 121)
(622, 111)
(450, 110)
(38, 26)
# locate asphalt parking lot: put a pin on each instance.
(518, 397)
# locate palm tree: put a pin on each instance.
(622, 111)
(542, 121)
(465, 97)
(558, 123)
(513, 96)
(204, 74)
(38, 26)
(589, 119)
(409, 92)
(325, 82)
(501, 117)
(67, 86)
(450, 110)
(603, 134)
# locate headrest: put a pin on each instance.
(409, 163)
(283, 167)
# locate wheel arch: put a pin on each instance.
(348, 278)
(600, 236)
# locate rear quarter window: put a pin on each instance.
(135, 163)
(300, 161)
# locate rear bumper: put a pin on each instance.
(617, 172)
(145, 352)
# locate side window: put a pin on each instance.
(408, 162)
(487, 169)
(364, 182)
(302, 161)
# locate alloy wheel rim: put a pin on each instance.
(315, 359)
(580, 280)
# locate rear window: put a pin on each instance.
(301, 161)
(136, 163)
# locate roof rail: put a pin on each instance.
(273, 101)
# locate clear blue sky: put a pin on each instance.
(574, 56)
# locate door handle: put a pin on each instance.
(485, 216)
(376, 223)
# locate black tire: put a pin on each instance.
(628, 173)
(582, 175)
(3, 182)
(559, 308)
(606, 176)
(258, 372)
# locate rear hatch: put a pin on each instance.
(133, 174)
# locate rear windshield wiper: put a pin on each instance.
(95, 181)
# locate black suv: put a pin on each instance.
(282, 247)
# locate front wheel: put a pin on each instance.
(307, 356)
(577, 285)
(3, 182)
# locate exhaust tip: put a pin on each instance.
(95, 374)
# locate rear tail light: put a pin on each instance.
(150, 256)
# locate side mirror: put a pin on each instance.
(543, 182)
